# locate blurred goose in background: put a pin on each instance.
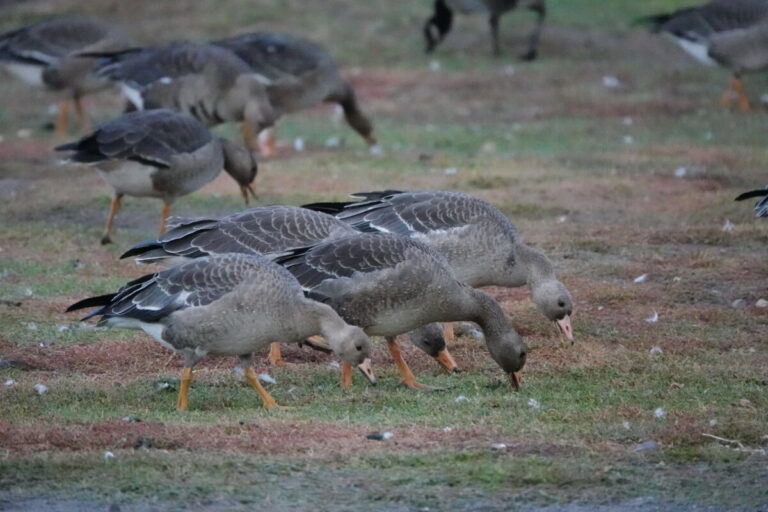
(479, 242)
(438, 26)
(45, 54)
(208, 82)
(729, 33)
(159, 153)
(302, 74)
(388, 285)
(232, 304)
(761, 207)
(270, 231)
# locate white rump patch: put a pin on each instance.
(698, 51)
(27, 73)
(133, 95)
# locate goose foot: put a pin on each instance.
(182, 402)
(266, 399)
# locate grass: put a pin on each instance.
(586, 172)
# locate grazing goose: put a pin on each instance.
(730, 33)
(270, 231)
(438, 26)
(479, 242)
(231, 304)
(302, 75)
(159, 153)
(388, 285)
(45, 54)
(209, 82)
(761, 207)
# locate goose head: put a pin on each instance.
(240, 163)
(430, 339)
(351, 345)
(554, 300)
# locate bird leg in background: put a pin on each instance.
(182, 403)
(448, 332)
(409, 379)
(113, 209)
(275, 356)
(266, 399)
(346, 375)
(267, 142)
(82, 117)
(735, 88)
(249, 136)
(164, 217)
(62, 119)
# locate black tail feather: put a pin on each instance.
(141, 248)
(330, 208)
(752, 193)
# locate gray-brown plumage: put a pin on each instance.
(388, 285)
(729, 33)
(159, 153)
(302, 74)
(479, 242)
(208, 82)
(439, 24)
(228, 305)
(270, 231)
(46, 54)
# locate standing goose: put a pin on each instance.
(159, 153)
(761, 207)
(388, 285)
(270, 231)
(227, 305)
(209, 82)
(302, 75)
(729, 33)
(479, 242)
(45, 54)
(441, 21)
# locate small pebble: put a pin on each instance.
(376, 150)
(335, 365)
(131, 419)
(298, 144)
(265, 377)
(677, 279)
(646, 446)
(109, 455)
(562, 218)
(762, 303)
(611, 81)
(712, 422)
(640, 278)
(655, 351)
(738, 303)
(434, 65)
(41, 389)
(28, 292)
(63, 328)
(659, 413)
(627, 425)
(31, 326)
(533, 403)
(508, 70)
(461, 398)
(10, 383)
(680, 172)
(333, 142)
(450, 171)
(653, 318)
(628, 139)
(447, 429)
(498, 446)
(24, 133)
(627, 121)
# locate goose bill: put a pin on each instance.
(367, 369)
(446, 360)
(564, 324)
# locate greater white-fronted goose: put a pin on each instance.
(479, 242)
(207, 81)
(269, 231)
(729, 33)
(45, 54)
(389, 284)
(227, 305)
(761, 207)
(159, 153)
(441, 21)
(302, 75)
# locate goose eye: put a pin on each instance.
(561, 303)
(359, 348)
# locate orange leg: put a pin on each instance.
(249, 136)
(164, 217)
(275, 357)
(738, 86)
(409, 379)
(62, 119)
(266, 399)
(267, 142)
(346, 375)
(182, 403)
(113, 209)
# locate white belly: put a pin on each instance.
(28, 73)
(699, 51)
(130, 178)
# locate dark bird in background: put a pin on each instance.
(729, 33)
(47, 54)
(441, 21)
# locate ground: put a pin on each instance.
(612, 182)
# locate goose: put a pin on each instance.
(159, 153)
(729, 33)
(209, 82)
(479, 242)
(45, 54)
(225, 305)
(389, 284)
(761, 207)
(302, 75)
(439, 24)
(270, 231)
